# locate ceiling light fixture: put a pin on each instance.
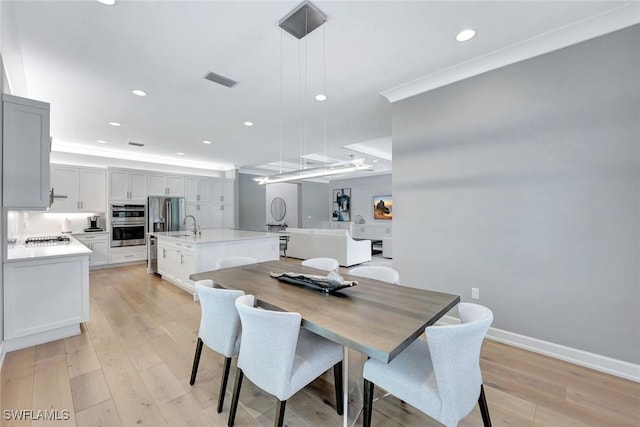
(465, 35)
(180, 154)
(102, 141)
(301, 21)
(116, 124)
(139, 92)
(206, 142)
(248, 123)
(107, 2)
(327, 170)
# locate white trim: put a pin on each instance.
(600, 363)
(2, 354)
(42, 337)
(594, 26)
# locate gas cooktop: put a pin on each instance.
(47, 241)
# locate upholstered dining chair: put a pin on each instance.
(219, 329)
(326, 264)
(440, 375)
(234, 261)
(280, 357)
(377, 272)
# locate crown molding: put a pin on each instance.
(588, 28)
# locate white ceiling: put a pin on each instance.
(86, 58)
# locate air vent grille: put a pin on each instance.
(137, 144)
(221, 80)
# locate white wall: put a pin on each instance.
(525, 182)
(289, 192)
(362, 192)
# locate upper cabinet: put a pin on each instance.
(25, 153)
(166, 185)
(78, 189)
(198, 189)
(127, 185)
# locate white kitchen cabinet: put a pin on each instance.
(176, 262)
(201, 212)
(84, 189)
(44, 299)
(127, 254)
(222, 190)
(198, 189)
(180, 257)
(222, 216)
(26, 147)
(99, 244)
(127, 185)
(166, 185)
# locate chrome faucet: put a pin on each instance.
(195, 225)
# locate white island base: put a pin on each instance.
(180, 254)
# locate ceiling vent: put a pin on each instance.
(302, 20)
(137, 144)
(221, 80)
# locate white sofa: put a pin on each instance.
(306, 243)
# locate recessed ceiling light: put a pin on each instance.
(101, 141)
(248, 123)
(180, 154)
(139, 92)
(107, 2)
(206, 142)
(321, 97)
(465, 35)
(374, 161)
(114, 123)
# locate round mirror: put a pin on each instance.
(278, 208)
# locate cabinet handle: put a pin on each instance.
(82, 205)
(164, 253)
(222, 198)
(78, 205)
(128, 256)
(222, 207)
(181, 258)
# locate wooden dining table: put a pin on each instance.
(376, 318)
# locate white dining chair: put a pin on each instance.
(219, 329)
(234, 261)
(280, 357)
(439, 375)
(377, 272)
(326, 264)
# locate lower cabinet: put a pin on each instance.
(44, 300)
(127, 254)
(99, 244)
(176, 262)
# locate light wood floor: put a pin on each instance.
(131, 366)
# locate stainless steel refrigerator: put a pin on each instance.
(163, 214)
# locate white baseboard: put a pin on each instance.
(41, 337)
(600, 363)
(2, 354)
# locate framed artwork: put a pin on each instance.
(341, 204)
(382, 207)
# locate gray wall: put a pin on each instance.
(315, 204)
(251, 203)
(362, 192)
(524, 182)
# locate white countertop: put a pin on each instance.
(20, 252)
(214, 236)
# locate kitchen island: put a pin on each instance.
(46, 292)
(181, 253)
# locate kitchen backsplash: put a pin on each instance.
(42, 223)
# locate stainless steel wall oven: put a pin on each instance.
(128, 225)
